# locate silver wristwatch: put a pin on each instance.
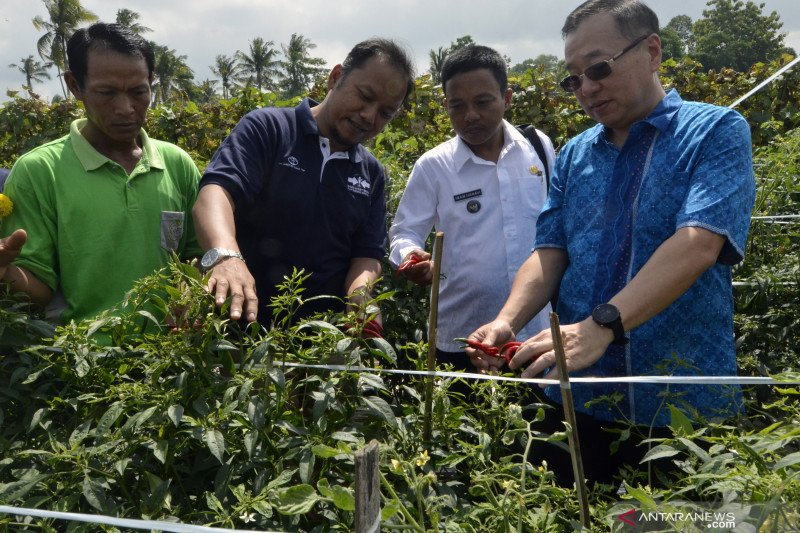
(215, 255)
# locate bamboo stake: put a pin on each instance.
(433, 316)
(569, 415)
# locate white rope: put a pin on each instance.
(120, 522)
(765, 82)
(774, 217)
(681, 380)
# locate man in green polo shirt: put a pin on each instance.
(105, 205)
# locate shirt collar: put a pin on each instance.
(660, 117)
(91, 159)
(464, 153)
(308, 125)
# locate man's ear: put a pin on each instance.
(335, 76)
(73, 85)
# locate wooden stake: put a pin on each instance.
(433, 316)
(569, 415)
(368, 494)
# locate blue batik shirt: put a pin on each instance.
(687, 164)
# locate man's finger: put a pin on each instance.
(251, 304)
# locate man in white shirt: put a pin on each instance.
(484, 189)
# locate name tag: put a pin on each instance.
(467, 195)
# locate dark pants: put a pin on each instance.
(606, 457)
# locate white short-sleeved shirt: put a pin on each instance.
(488, 214)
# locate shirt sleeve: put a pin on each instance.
(244, 159)
(34, 211)
(191, 178)
(722, 187)
(550, 225)
(415, 216)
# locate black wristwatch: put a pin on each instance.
(607, 316)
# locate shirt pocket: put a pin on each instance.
(172, 224)
(531, 195)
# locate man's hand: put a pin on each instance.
(494, 333)
(584, 343)
(417, 267)
(231, 276)
(10, 247)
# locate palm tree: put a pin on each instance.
(261, 64)
(299, 68)
(437, 60)
(130, 19)
(33, 70)
(227, 69)
(65, 17)
(171, 71)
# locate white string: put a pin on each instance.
(765, 82)
(120, 522)
(680, 380)
(774, 217)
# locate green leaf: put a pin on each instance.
(108, 419)
(646, 501)
(659, 452)
(175, 413)
(384, 349)
(306, 465)
(79, 434)
(10, 492)
(160, 451)
(95, 493)
(790, 460)
(216, 444)
(343, 498)
(324, 451)
(679, 422)
(381, 408)
(296, 500)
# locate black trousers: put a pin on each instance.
(611, 451)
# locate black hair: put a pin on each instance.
(633, 17)
(386, 49)
(473, 57)
(106, 36)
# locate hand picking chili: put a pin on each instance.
(408, 263)
(505, 352)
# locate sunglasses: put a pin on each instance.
(597, 71)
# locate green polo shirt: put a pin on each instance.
(93, 229)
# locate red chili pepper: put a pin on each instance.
(411, 261)
(506, 352)
(485, 348)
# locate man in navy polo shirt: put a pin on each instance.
(294, 188)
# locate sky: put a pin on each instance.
(201, 29)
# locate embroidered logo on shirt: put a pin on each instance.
(358, 185)
(473, 206)
(535, 170)
(467, 195)
(292, 162)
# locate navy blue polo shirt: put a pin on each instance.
(294, 207)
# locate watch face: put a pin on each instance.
(605, 314)
(210, 258)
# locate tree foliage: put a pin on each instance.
(171, 72)
(260, 64)
(64, 17)
(299, 68)
(737, 35)
(130, 19)
(33, 70)
(228, 70)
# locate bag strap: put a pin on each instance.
(533, 137)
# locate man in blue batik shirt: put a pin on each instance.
(647, 212)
